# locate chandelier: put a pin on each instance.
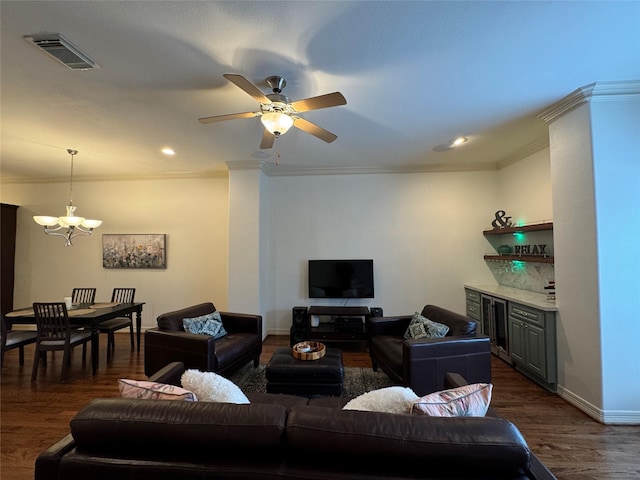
(70, 225)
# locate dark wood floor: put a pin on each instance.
(572, 445)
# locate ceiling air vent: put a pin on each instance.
(63, 50)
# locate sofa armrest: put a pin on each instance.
(454, 380)
(165, 346)
(48, 461)
(242, 322)
(395, 326)
(170, 374)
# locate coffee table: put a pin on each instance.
(286, 374)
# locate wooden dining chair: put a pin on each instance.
(15, 339)
(83, 296)
(54, 333)
(119, 295)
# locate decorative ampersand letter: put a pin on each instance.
(501, 221)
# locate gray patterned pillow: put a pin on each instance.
(209, 324)
(422, 327)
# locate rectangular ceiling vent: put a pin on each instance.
(63, 50)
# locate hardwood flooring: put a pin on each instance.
(35, 416)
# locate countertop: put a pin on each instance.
(531, 299)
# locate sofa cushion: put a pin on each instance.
(173, 320)
(422, 327)
(170, 428)
(211, 387)
(145, 390)
(466, 401)
(209, 324)
(401, 443)
(231, 347)
(389, 399)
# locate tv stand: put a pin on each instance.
(338, 324)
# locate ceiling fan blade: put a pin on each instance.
(314, 130)
(267, 139)
(247, 86)
(232, 116)
(323, 101)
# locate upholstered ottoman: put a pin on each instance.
(286, 374)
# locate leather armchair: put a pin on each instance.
(170, 343)
(423, 363)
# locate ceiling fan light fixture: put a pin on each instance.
(277, 123)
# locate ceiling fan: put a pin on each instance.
(277, 112)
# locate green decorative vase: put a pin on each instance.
(505, 250)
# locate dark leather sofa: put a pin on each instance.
(281, 436)
(422, 363)
(170, 343)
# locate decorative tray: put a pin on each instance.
(308, 350)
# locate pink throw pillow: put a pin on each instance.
(467, 401)
(141, 389)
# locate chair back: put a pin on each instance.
(3, 331)
(83, 296)
(123, 295)
(52, 321)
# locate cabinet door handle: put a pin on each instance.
(524, 314)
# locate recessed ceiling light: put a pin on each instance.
(168, 151)
(458, 141)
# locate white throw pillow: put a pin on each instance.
(389, 399)
(211, 387)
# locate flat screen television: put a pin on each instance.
(340, 278)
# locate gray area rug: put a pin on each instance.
(356, 380)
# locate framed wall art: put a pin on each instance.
(134, 250)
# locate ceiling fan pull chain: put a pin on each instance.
(277, 159)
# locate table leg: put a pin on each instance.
(95, 348)
(138, 325)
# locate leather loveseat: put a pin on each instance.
(169, 342)
(422, 363)
(279, 436)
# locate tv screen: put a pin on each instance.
(340, 278)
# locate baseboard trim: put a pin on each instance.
(608, 417)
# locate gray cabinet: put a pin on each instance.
(522, 335)
(532, 335)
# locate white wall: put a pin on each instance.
(193, 214)
(423, 231)
(616, 154)
(595, 151)
(525, 189)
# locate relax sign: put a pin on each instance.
(531, 250)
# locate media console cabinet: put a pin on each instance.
(330, 324)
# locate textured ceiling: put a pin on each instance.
(415, 76)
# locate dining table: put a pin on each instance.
(89, 316)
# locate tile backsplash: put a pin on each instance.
(530, 276)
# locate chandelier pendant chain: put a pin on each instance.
(72, 153)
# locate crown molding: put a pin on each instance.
(114, 178)
(582, 95)
(285, 171)
(524, 152)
